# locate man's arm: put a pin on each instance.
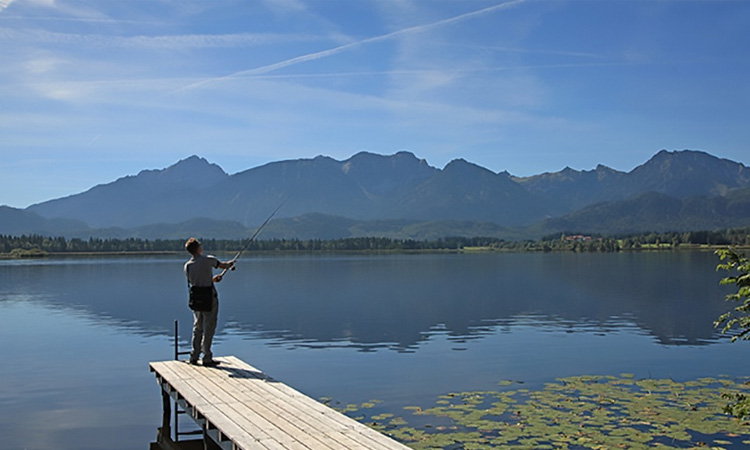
(225, 266)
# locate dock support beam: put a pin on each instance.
(166, 404)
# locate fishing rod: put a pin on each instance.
(248, 242)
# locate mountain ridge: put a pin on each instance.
(371, 187)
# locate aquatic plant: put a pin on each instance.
(584, 412)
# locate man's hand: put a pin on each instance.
(227, 265)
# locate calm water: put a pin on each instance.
(77, 334)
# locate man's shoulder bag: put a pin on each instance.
(201, 298)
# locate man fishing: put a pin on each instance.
(201, 279)
(199, 272)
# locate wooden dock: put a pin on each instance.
(240, 407)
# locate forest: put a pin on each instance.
(35, 245)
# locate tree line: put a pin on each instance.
(47, 244)
(31, 245)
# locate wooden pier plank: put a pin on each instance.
(291, 419)
(318, 416)
(328, 418)
(244, 413)
(242, 437)
(310, 418)
(257, 412)
(181, 386)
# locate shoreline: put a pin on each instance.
(467, 250)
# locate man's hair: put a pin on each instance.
(192, 245)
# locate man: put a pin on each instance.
(199, 272)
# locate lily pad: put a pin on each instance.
(584, 412)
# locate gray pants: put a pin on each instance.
(204, 327)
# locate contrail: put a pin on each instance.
(333, 51)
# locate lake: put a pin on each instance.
(78, 333)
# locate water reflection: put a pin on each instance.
(400, 301)
(394, 301)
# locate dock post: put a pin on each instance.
(177, 351)
(176, 341)
(166, 403)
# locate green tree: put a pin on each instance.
(738, 319)
(738, 266)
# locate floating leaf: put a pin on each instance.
(381, 417)
(398, 421)
(584, 412)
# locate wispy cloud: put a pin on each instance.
(38, 18)
(4, 4)
(167, 42)
(342, 48)
(68, 9)
(532, 51)
(286, 5)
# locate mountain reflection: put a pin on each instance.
(396, 301)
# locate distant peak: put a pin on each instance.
(696, 158)
(188, 168)
(601, 169)
(458, 162)
(407, 154)
(192, 160)
(322, 159)
(462, 164)
(364, 155)
(663, 154)
(367, 154)
(402, 160)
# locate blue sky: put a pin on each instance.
(93, 90)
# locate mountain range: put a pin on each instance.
(398, 196)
